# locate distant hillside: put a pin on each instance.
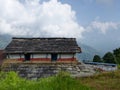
(4, 40)
(87, 51)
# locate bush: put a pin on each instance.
(118, 66)
(62, 81)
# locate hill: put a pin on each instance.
(88, 52)
(4, 40)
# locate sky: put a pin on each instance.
(93, 22)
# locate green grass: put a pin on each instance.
(63, 81)
(103, 81)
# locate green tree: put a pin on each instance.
(116, 52)
(109, 58)
(97, 58)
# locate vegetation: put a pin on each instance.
(63, 81)
(116, 52)
(109, 58)
(97, 58)
(103, 81)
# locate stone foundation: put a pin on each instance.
(39, 70)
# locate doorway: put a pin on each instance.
(54, 57)
(27, 57)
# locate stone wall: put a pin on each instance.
(38, 70)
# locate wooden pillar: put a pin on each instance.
(47, 55)
(20, 55)
(73, 55)
(32, 56)
(60, 56)
(8, 56)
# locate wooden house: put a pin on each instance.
(2, 56)
(43, 49)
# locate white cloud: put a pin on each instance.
(32, 18)
(103, 26)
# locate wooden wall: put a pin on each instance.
(2, 56)
(43, 57)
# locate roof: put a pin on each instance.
(43, 45)
(99, 63)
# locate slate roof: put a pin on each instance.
(43, 45)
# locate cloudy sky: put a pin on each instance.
(93, 22)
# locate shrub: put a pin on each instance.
(62, 81)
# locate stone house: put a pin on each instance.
(43, 49)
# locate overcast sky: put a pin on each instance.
(92, 22)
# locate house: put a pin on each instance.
(2, 56)
(103, 66)
(43, 49)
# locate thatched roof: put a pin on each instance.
(43, 45)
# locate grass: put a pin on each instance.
(62, 81)
(103, 81)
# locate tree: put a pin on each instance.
(116, 52)
(97, 58)
(109, 58)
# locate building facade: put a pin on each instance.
(43, 49)
(2, 56)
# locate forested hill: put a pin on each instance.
(87, 51)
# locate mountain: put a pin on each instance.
(4, 40)
(87, 51)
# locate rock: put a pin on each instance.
(86, 70)
(70, 69)
(35, 71)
